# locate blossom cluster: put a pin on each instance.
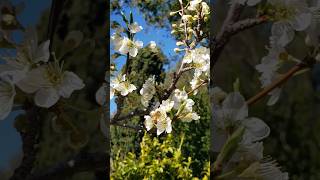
(232, 115)
(33, 73)
(288, 16)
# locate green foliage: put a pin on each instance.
(158, 159)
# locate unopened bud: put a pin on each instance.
(172, 13)
(187, 18)
(176, 50)
(174, 25)
(179, 43)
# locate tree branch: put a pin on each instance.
(223, 37)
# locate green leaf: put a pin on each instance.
(229, 147)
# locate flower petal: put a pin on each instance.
(46, 97)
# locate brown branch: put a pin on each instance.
(224, 36)
(277, 83)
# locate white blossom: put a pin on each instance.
(49, 82)
(295, 16)
(125, 88)
(121, 85)
(134, 27)
(129, 46)
(28, 55)
(179, 97)
(268, 68)
(232, 114)
(158, 118)
(194, 5)
(147, 91)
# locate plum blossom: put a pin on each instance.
(293, 15)
(134, 27)
(147, 91)
(233, 113)
(49, 82)
(7, 94)
(29, 54)
(121, 85)
(128, 46)
(269, 67)
(184, 106)
(159, 118)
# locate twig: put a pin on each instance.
(203, 83)
(223, 38)
(277, 83)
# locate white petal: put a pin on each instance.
(42, 53)
(282, 33)
(302, 21)
(101, 95)
(169, 127)
(70, 83)
(46, 97)
(148, 122)
(34, 80)
(133, 51)
(236, 106)
(275, 94)
(257, 128)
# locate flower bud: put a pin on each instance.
(173, 31)
(187, 18)
(179, 43)
(176, 50)
(172, 13)
(174, 25)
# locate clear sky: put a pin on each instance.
(162, 37)
(10, 141)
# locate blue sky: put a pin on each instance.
(9, 138)
(162, 37)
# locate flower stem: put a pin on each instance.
(277, 83)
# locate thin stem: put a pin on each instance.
(200, 85)
(277, 83)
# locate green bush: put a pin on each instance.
(158, 159)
